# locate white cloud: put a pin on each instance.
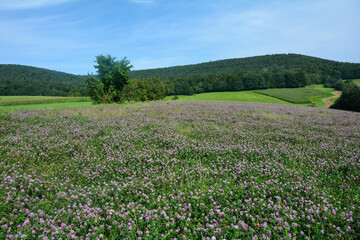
(26, 4)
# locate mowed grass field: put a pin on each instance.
(30, 100)
(18, 103)
(241, 96)
(293, 95)
(180, 170)
(318, 100)
(289, 96)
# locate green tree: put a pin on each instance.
(135, 91)
(156, 89)
(169, 87)
(340, 85)
(113, 75)
(349, 99)
(96, 89)
(301, 78)
(290, 80)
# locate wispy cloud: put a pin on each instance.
(28, 4)
(142, 1)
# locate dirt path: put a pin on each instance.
(327, 100)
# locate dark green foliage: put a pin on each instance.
(149, 89)
(96, 89)
(301, 79)
(261, 72)
(113, 77)
(349, 99)
(135, 90)
(104, 64)
(156, 90)
(340, 85)
(241, 80)
(169, 87)
(33, 81)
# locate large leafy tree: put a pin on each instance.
(113, 75)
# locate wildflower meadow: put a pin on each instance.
(180, 170)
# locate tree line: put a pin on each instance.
(251, 80)
(239, 81)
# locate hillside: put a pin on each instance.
(260, 72)
(33, 81)
(290, 62)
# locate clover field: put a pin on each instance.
(180, 170)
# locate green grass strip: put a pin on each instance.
(23, 101)
(293, 95)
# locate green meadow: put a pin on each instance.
(241, 96)
(318, 100)
(294, 95)
(311, 94)
(30, 100)
(20, 103)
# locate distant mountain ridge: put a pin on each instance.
(259, 72)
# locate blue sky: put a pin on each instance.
(66, 35)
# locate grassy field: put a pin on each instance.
(188, 169)
(20, 103)
(298, 96)
(31, 100)
(49, 106)
(294, 95)
(241, 96)
(318, 100)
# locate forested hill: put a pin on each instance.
(289, 62)
(260, 72)
(33, 81)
